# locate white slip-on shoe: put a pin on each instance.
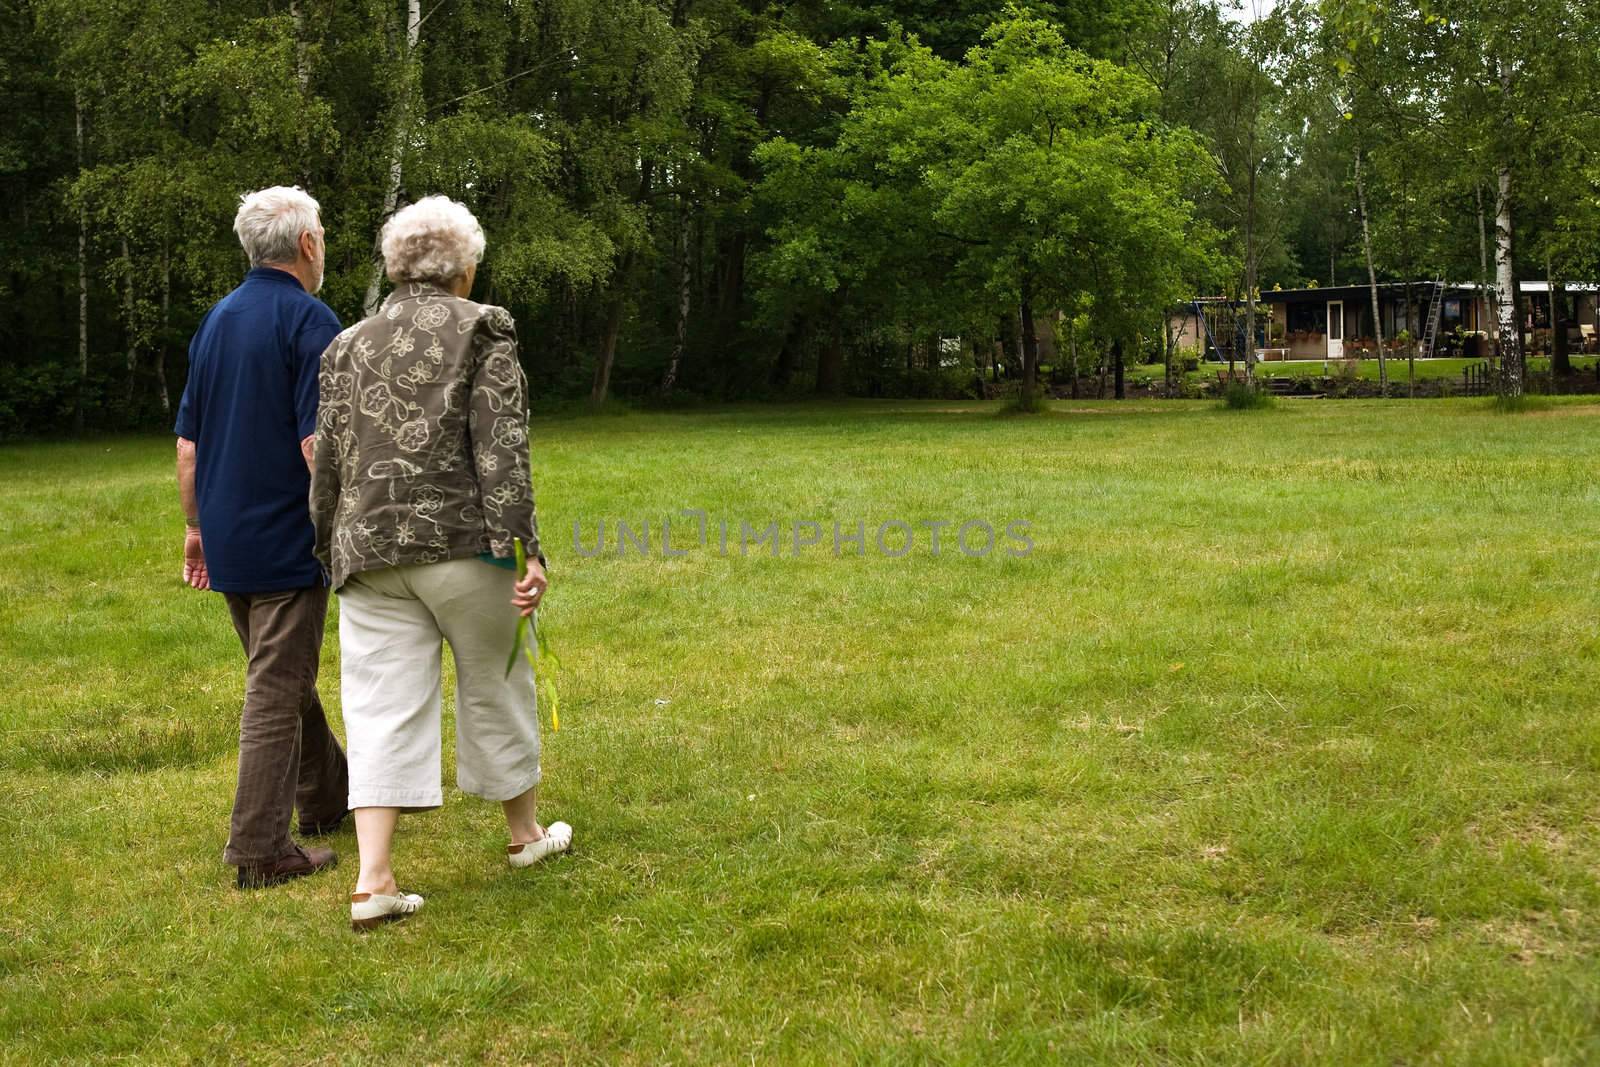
(557, 838)
(374, 909)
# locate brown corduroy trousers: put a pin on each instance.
(288, 757)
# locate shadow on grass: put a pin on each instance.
(1516, 405)
(115, 744)
(1017, 405)
(809, 412)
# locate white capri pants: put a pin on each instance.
(391, 622)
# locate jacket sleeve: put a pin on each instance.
(333, 417)
(497, 423)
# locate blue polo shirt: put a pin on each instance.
(250, 399)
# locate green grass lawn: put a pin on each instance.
(1281, 746)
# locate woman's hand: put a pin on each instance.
(530, 588)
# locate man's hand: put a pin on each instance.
(194, 561)
(194, 556)
(530, 588)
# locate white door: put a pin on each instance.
(1336, 329)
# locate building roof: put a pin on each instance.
(1571, 287)
(1341, 292)
(1420, 289)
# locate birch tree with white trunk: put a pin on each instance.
(1372, 279)
(1511, 354)
(404, 110)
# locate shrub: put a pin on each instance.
(39, 398)
(1242, 396)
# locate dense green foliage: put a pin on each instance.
(1281, 747)
(725, 198)
(1028, 177)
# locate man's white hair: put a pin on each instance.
(270, 222)
(434, 240)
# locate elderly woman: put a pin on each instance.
(420, 483)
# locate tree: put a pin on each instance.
(1028, 177)
(1224, 82)
(727, 197)
(1484, 82)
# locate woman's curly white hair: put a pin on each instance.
(434, 240)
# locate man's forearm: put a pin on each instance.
(186, 497)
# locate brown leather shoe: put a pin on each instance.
(297, 863)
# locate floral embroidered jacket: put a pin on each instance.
(422, 446)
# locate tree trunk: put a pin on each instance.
(1030, 350)
(1488, 303)
(397, 145)
(621, 284)
(730, 292)
(1120, 390)
(302, 46)
(1250, 256)
(830, 362)
(788, 352)
(1167, 346)
(1560, 357)
(129, 329)
(1511, 361)
(302, 80)
(608, 342)
(1072, 345)
(1372, 280)
(161, 345)
(684, 278)
(1411, 346)
(83, 272)
(1005, 341)
(702, 276)
(1231, 339)
(1015, 359)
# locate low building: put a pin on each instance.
(1335, 322)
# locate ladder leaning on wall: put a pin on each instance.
(1430, 337)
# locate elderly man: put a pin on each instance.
(245, 430)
